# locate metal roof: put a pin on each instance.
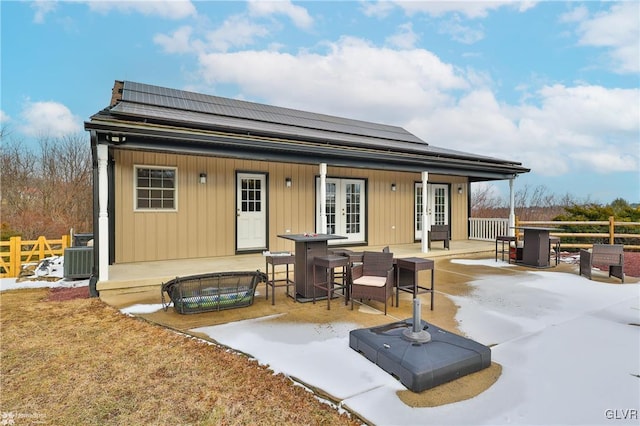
(155, 117)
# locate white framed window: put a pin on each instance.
(155, 188)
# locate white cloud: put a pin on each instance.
(460, 32)
(177, 42)
(169, 9)
(4, 117)
(591, 109)
(393, 84)
(577, 14)
(404, 38)
(236, 31)
(618, 29)
(42, 8)
(378, 9)
(298, 15)
(50, 118)
(551, 131)
(606, 161)
(470, 9)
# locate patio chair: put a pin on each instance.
(373, 279)
(439, 233)
(603, 255)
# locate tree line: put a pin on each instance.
(46, 188)
(538, 204)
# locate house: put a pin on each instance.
(186, 175)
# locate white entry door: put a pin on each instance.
(251, 211)
(437, 206)
(345, 209)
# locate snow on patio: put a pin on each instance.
(569, 349)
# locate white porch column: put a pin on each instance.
(323, 199)
(512, 214)
(426, 225)
(103, 215)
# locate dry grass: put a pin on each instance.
(83, 362)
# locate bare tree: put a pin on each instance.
(485, 202)
(49, 191)
(531, 203)
(18, 176)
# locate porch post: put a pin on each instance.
(425, 217)
(323, 199)
(103, 215)
(512, 214)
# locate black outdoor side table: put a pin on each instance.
(411, 266)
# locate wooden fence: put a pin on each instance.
(487, 229)
(610, 235)
(15, 252)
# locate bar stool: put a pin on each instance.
(504, 239)
(344, 273)
(274, 259)
(329, 263)
(555, 243)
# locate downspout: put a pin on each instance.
(426, 226)
(512, 214)
(323, 199)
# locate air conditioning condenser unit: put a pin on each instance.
(78, 262)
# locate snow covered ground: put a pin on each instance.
(48, 273)
(569, 349)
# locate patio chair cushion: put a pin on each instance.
(371, 281)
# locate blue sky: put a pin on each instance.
(554, 85)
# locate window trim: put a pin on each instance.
(136, 167)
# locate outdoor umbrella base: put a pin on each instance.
(420, 365)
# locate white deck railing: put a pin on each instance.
(487, 229)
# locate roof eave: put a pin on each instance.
(274, 149)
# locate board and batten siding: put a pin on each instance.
(204, 223)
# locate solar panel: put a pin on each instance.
(244, 125)
(199, 103)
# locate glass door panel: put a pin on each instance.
(437, 206)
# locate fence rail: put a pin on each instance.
(487, 229)
(15, 252)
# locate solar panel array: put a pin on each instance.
(208, 109)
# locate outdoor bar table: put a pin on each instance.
(307, 247)
(407, 269)
(536, 246)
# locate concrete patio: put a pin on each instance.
(135, 277)
(277, 328)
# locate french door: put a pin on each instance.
(437, 206)
(345, 208)
(251, 211)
